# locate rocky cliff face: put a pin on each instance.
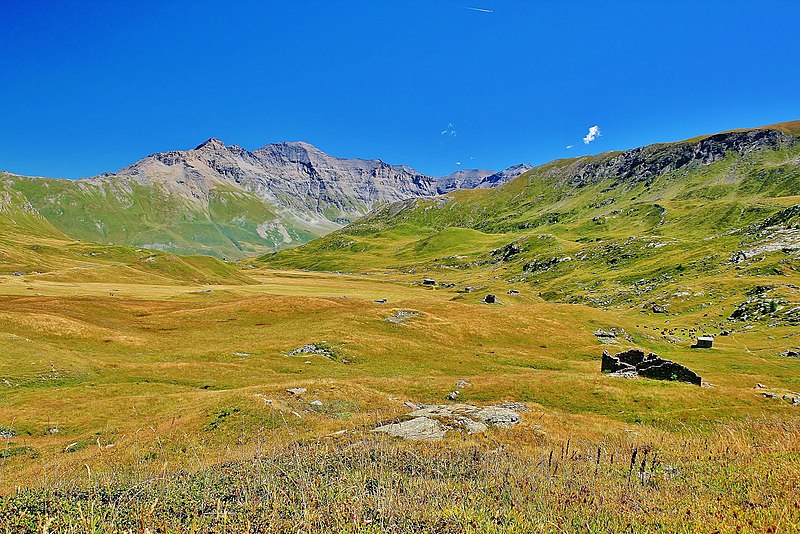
(299, 180)
(229, 201)
(463, 179)
(646, 163)
(480, 179)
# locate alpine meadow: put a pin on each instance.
(224, 339)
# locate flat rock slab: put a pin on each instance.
(432, 422)
(419, 428)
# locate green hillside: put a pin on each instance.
(31, 247)
(621, 228)
(231, 224)
(136, 395)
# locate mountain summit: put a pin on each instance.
(225, 200)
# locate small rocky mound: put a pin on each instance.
(432, 422)
(320, 349)
(634, 363)
(507, 252)
(779, 395)
(401, 316)
(609, 337)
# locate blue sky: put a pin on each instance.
(89, 87)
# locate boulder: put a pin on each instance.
(419, 428)
(497, 416)
(296, 391)
(428, 282)
(634, 363)
(489, 299)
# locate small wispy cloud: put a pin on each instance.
(458, 163)
(569, 146)
(479, 9)
(594, 133)
(450, 130)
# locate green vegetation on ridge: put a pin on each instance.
(592, 229)
(144, 390)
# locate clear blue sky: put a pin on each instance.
(92, 86)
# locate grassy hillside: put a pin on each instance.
(136, 395)
(168, 405)
(617, 229)
(229, 224)
(34, 249)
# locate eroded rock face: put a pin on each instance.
(634, 363)
(647, 163)
(433, 422)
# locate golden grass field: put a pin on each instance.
(153, 388)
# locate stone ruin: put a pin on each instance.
(704, 342)
(634, 363)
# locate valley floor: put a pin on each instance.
(126, 406)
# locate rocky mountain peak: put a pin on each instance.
(291, 152)
(211, 143)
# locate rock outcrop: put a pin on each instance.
(463, 179)
(479, 179)
(634, 363)
(433, 422)
(647, 163)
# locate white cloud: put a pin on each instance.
(458, 163)
(449, 130)
(594, 133)
(569, 146)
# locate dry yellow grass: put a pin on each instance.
(144, 382)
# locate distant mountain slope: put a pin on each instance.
(479, 179)
(225, 200)
(604, 229)
(465, 178)
(32, 247)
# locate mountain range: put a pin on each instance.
(671, 226)
(230, 202)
